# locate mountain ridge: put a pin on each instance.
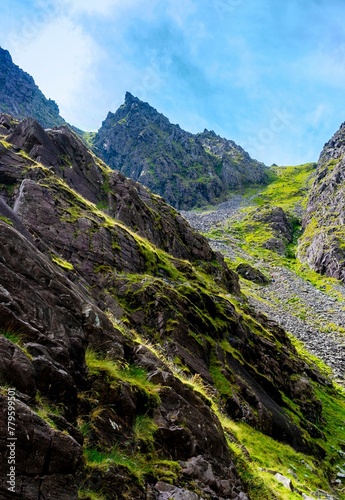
(186, 169)
(135, 336)
(141, 359)
(321, 245)
(21, 97)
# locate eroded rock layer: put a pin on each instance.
(122, 332)
(322, 243)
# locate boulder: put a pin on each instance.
(252, 274)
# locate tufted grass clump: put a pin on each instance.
(139, 465)
(144, 429)
(6, 220)
(14, 337)
(62, 263)
(90, 495)
(132, 374)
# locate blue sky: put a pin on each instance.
(268, 74)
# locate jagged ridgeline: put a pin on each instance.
(141, 372)
(323, 243)
(20, 96)
(187, 169)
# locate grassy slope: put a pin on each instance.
(288, 191)
(265, 453)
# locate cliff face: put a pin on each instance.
(322, 244)
(20, 96)
(126, 337)
(187, 170)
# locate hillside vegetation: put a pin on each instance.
(145, 364)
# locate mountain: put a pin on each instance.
(322, 243)
(20, 96)
(186, 169)
(135, 358)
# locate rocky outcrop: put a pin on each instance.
(46, 460)
(321, 245)
(20, 96)
(252, 274)
(119, 326)
(187, 170)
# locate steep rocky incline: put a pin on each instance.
(20, 96)
(186, 169)
(322, 244)
(307, 312)
(127, 339)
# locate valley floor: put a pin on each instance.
(314, 314)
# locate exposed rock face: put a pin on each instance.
(186, 169)
(119, 272)
(250, 273)
(322, 244)
(277, 219)
(20, 96)
(46, 460)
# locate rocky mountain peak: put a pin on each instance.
(130, 99)
(21, 97)
(186, 169)
(5, 57)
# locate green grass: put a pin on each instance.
(333, 404)
(6, 144)
(88, 138)
(46, 409)
(90, 495)
(6, 219)
(102, 205)
(289, 188)
(132, 374)
(222, 384)
(64, 264)
(144, 429)
(269, 455)
(139, 465)
(14, 337)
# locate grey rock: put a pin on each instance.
(186, 169)
(49, 456)
(250, 273)
(285, 481)
(167, 492)
(16, 369)
(321, 244)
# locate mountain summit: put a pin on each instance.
(20, 96)
(186, 169)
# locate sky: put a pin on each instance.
(268, 74)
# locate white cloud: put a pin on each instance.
(101, 7)
(60, 57)
(325, 65)
(318, 116)
(179, 13)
